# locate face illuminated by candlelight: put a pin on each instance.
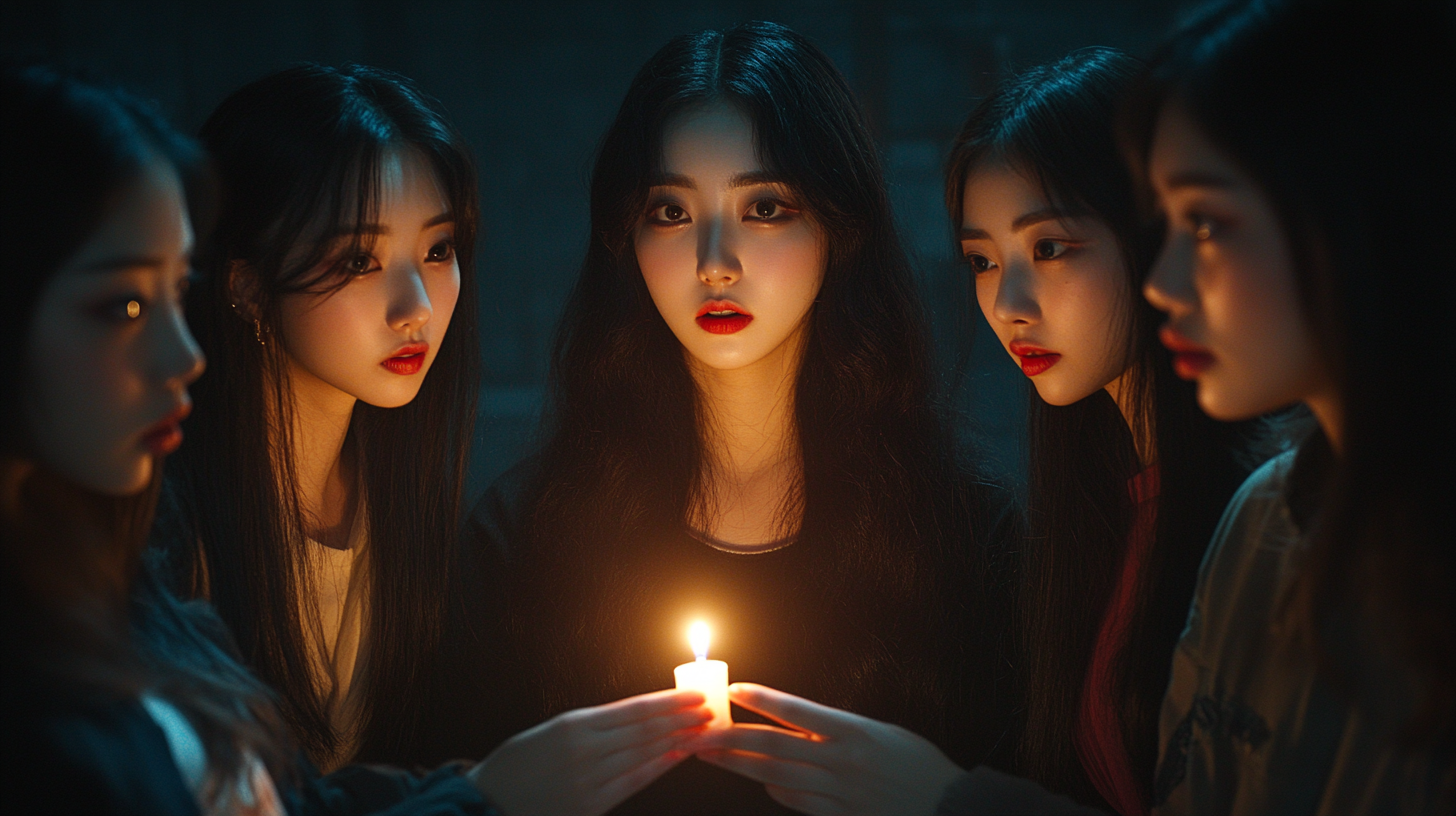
(110, 357)
(1052, 283)
(1226, 279)
(731, 260)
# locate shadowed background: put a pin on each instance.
(534, 85)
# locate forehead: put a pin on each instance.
(1182, 152)
(995, 192)
(407, 177)
(708, 141)
(145, 217)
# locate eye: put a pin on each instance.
(441, 252)
(770, 209)
(668, 214)
(123, 308)
(1049, 250)
(358, 264)
(978, 263)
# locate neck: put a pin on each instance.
(319, 428)
(751, 443)
(1142, 435)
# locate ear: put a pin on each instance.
(243, 290)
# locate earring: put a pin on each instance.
(258, 331)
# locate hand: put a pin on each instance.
(832, 762)
(586, 761)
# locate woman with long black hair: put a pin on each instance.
(1127, 476)
(317, 503)
(743, 425)
(104, 674)
(1307, 196)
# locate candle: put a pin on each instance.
(708, 676)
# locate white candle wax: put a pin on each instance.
(707, 676)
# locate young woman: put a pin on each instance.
(118, 699)
(1318, 669)
(1127, 476)
(742, 426)
(95, 210)
(317, 502)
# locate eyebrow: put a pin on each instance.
(1021, 222)
(748, 179)
(380, 229)
(123, 262)
(1194, 178)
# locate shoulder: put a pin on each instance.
(1254, 515)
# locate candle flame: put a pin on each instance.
(698, 637)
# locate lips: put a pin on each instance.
(166, 436)
(408, 359)
(1189, 358)
(723, 317)
(1034, 359)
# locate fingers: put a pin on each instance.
(621, 762)
(644, 731)
(641, 707)
(610, 794)
(771, 771)
(770, 741)
(795, 712)
(805, 802)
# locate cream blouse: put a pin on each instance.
(339, 586)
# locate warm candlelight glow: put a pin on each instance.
(698, 637)
(708, 676)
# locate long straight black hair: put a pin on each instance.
(85, 618)
(1056, 124)
(298, 154)
(625, 457)
(1355, 155)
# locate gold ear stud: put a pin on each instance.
(133, 308)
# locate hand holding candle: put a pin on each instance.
(707, 676)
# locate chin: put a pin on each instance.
(1221, 406)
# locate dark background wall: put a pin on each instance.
(533, 85)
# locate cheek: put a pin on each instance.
(668, 263)
(791, 264)
(86, 403)
(444, 294)
(326, 333)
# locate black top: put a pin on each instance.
(943, 673)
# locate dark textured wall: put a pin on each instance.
(533, 85)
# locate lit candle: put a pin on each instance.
(708, 676)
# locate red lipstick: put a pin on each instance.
(723, 317)
(1034, 359)
(408, 360)
(1189, 358)
(166, 436)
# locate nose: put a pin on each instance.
(179, 359)
(409, 302)
(718, 264)
(1016, 297)
(1170, 284)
